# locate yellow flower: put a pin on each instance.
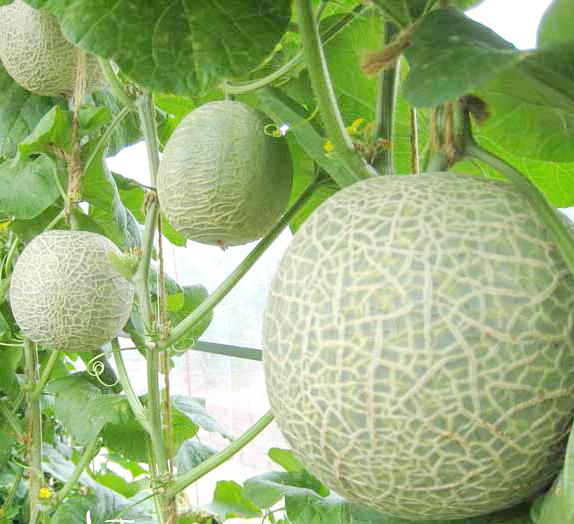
(328, 147)
(45, 493)
(5, 225)
(353, 129)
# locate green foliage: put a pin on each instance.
(162, 49)
(185, 55)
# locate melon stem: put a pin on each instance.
(34, 437)
(325, 94)
(229, 283)
(183, 481)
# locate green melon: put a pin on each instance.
(65, 294)
(37, 56)
(222, 180)
(418, 346)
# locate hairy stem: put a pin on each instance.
(324, 93)
(103, 142)
(146, 112)
(386, 106)
(115, 84)
(45, 376)
(87, 455)
(183, 481)
(227, 285)
(415, 162)
(558, 229)
(242, 88)
(34, 435)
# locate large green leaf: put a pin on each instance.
(556, 25)
(452, 55)
(54, 129)
(191, 453)
(9, 359)
(194, 409)
(19, 114)
(182, 304)
(28, 187)
(183, 46)
(229, 501)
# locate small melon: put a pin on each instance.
(418, 346)
(65, 293)
(37, 56)
(222, 180)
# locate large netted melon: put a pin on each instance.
(223, 180)
(418, 346)
(65, 293)
(37, 56)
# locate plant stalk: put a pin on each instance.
(386, 107)
(45, 376)
(242, 88)
(106, 136)
(12, 420)
(87, 455)
(324, 93)
(185, 480)
(227, 285)
(146, 112)
(35, 478)
(115, 84)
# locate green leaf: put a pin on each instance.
(76, 401)
(128, 132)
(27, 188)
(557, 506)
(104, 504)
(26, 230)
(284, 110)
(10, 358)
(106, 209)
(190, 454)
(229, 501)
(182, 47)
(556, 24)
(21, 112)
(52, 130)
(268, 489)
(194, 410)
(7, 442)
(286, 459)
(192, 297)
(532, 106)
(451, 56)
(555, 180)
(118, 484)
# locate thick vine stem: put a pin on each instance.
(227, 285)
(185, 480)
(116, 85)
(561, 234)
(324, 93)
(385, 112)
(242, 88)
(34, 434)
(45, 376)
(87, 455)
(146, 112)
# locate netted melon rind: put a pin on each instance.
(418, 346)
(37, 56)
(65, 293)
(222, 179)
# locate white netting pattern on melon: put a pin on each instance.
(65, 293)
(36, 54)
(222, 180)
(418, 346)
